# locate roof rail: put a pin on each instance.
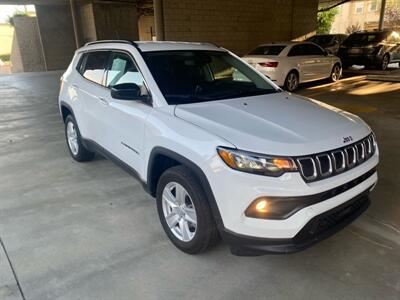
(114, 41)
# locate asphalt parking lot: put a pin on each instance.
(89, 231)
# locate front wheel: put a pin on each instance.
(336, 73)
(292, 81)
(74, 141)
(184, 211)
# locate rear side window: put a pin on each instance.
(297, 50)
(310, 49)
(267, 50)
(305, 49)
(93, 65)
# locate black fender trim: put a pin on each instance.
(197, 171)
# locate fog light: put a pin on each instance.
(262, 206)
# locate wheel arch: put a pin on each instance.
(65, 110)
(161, 159)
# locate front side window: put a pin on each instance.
(199, 76)
(123, 70)
(94, 65)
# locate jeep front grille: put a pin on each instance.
(327, 164)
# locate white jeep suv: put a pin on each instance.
(224, 150)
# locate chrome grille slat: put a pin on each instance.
(323, 165)
(350, 161)
(320, 165)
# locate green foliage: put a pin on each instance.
(5, 57)
(325, 20)
(10, 19)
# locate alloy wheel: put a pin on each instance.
(179, 211)
(336, 73)
(72, 137)
(292, 82)
(385, 62)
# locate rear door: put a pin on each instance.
(305, 63)
(93, 93)
(321, 66)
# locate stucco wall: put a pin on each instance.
(236, 24)
(57, 35)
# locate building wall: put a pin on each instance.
(237, 25)
(57, 35)
(116, 21)
(366, 20)
(26, 55)
(146, 28)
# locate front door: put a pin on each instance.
(126, 118)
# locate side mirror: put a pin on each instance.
(326, 53)
(126, 91)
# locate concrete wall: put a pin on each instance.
(146, 28)
(26, 55)
(236, 24)
(115, 21)
(57, 35)
(88, 25)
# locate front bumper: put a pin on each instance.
(317, 229)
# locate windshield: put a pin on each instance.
(267, 50)
(360, 39)
(198, 76)
(322, 40)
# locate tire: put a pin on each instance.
(292, 81)
(200, 235)
(385, 62)
(336, 73)
(74, 141)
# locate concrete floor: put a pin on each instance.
(88, 231)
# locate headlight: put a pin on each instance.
(256, 163)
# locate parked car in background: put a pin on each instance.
(371, 49)
(291, 63)
(329, 42)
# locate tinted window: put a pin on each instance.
(94, 65)
(297, 50)
(122, 69)
(267, 50)
(323, 40)
(361, 39)
(198, 76)
(310, 49)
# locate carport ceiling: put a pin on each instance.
(47, 2)
(328, 4)
(323, 4)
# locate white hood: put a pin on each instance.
(279, 124)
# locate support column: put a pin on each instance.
(76, 23)
(159, 19)
(382, 15)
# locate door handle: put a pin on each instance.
(103, 101)
(75, 86)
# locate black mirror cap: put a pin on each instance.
(127, 91)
